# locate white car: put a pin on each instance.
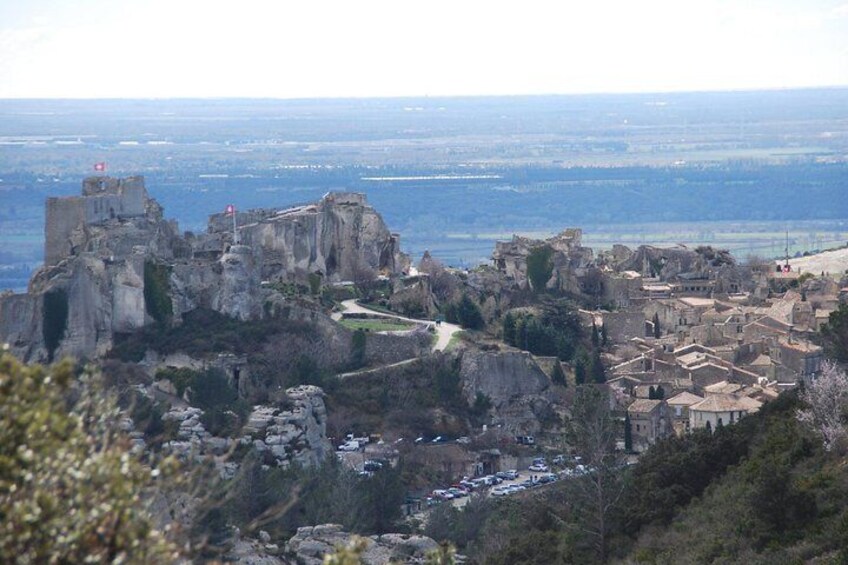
(501, 491)
(349, 446)
(539, 468)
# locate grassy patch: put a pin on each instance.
(454, 340)
(372, 325)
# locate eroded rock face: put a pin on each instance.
(568, 259)
(336, 238)
(513, 382)
(298, 434)
(99, 245)
(310, 544)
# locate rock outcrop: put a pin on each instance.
(294, 435)
(310, 544)
(567, 256)
(113, 264)
(513, 382)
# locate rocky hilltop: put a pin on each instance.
(114, 264)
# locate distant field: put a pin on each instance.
(376, 325)
(833, 262)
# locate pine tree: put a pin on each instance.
(628, 433)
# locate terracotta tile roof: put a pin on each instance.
(726, 403)
(685, 398)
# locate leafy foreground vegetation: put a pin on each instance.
(70, 490)
(765, 490)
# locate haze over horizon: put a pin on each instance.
(380, 48)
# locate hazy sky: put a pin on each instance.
(311, 48)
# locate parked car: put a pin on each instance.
(458, 492)
(559, 460)
(372, 466)
(443, 494)
(500, 491)
(349, 446)
(539, 468)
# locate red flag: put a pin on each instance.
(230, 210)
(100, 167)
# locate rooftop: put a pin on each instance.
(722, 387)
(695, 302)
(685, 398)
(643, 406)
(726, 403)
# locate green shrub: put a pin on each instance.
(157, 295)
(540, 267)
(182, 377)
(70, 490)
(358, 342)
(468, 314)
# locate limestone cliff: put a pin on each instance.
(568, 259)
(513, 382)
(113, 264)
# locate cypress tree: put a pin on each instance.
(509, 328)
(657, 330)
(598, 374)
(558, 376)
(628, 433)
(580, 372)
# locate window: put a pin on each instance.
(638, 428)
(678, 411)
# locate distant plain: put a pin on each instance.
(737, 170)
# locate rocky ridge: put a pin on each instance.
(113, 264)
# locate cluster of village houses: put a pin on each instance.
(703, 358)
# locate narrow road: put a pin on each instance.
(444, 331)
(361, 372)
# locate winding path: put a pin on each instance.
(444, 331)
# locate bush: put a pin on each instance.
(540, 267)
(157, 295)
(358, 342)
(70, 490)
(205, 331)
(468, 314)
